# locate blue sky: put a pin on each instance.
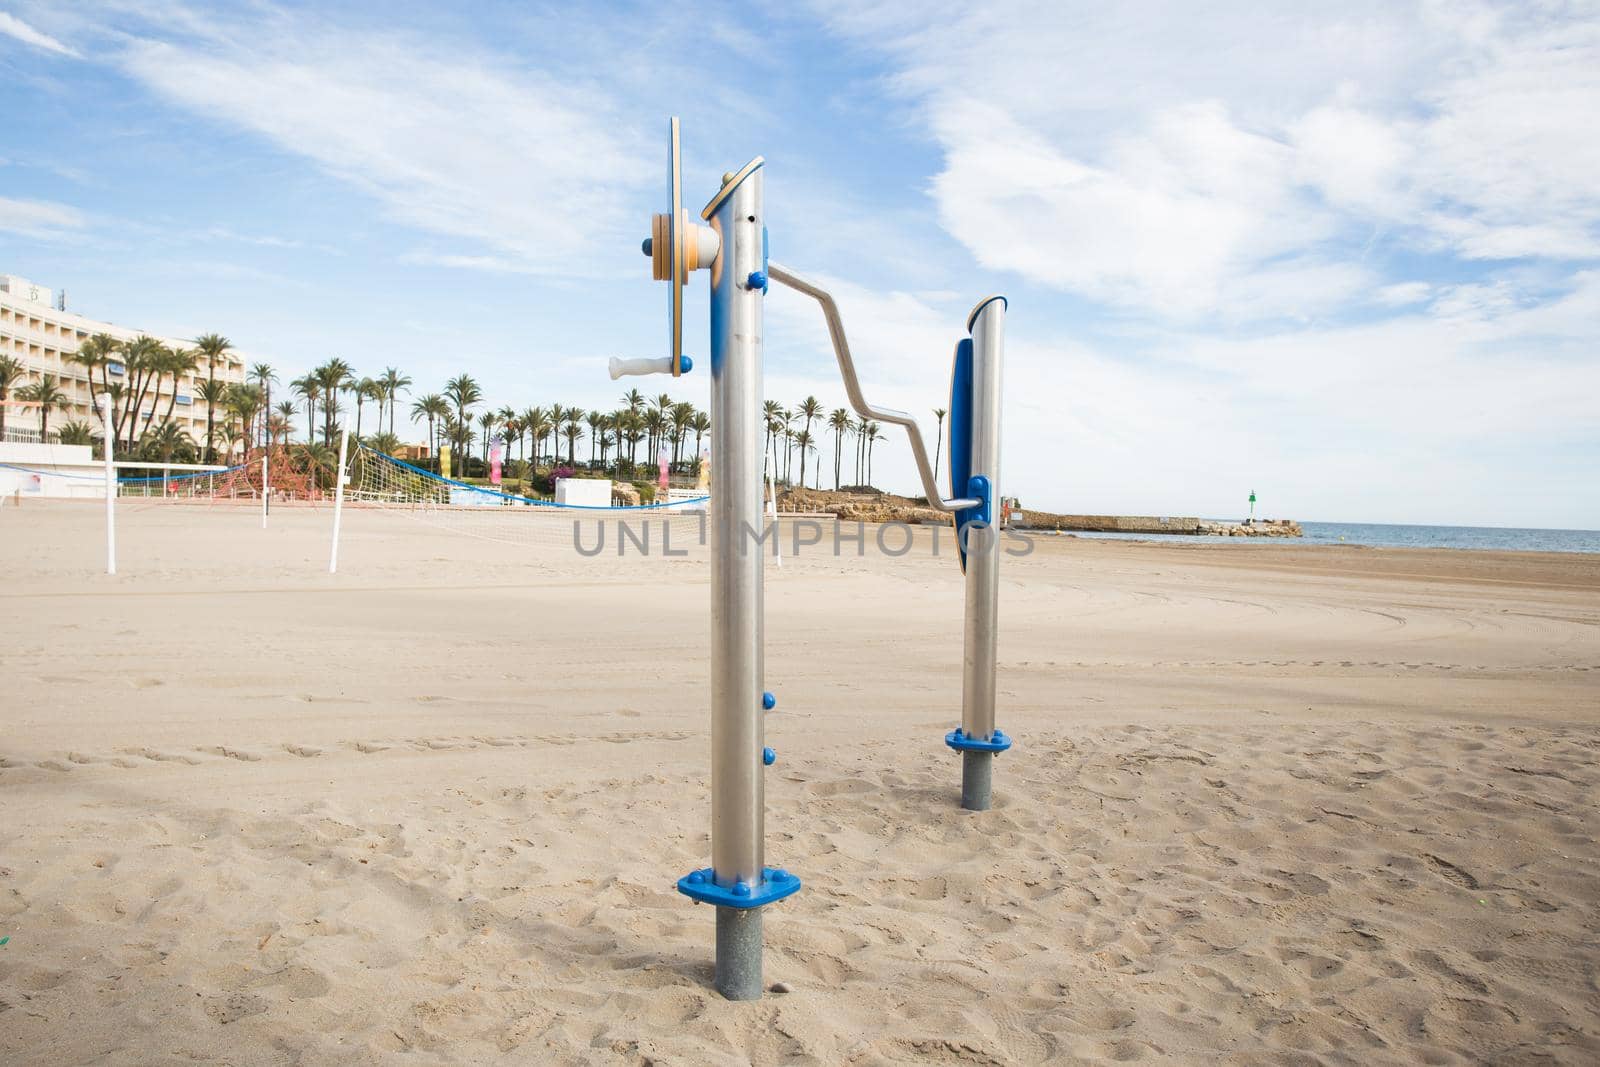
(1349, 259)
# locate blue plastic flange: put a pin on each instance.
(956, 739)
(768, 701)
(685, 364)
(757, 280)
(701, 886)
(769, 756)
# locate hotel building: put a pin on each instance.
(38, 332)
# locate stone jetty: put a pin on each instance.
(871, 506)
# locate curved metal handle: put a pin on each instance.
(852, 388)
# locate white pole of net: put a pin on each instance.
(266, 490)
(338, 500)
(111, 488)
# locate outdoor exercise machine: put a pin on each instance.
(732, 246)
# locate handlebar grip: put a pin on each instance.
(621, 367)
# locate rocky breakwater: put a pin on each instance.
(1157, 524)
(1258, 528)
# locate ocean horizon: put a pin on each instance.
(1398, 535)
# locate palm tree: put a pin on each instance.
(11, 371)
(310, 391)
(860, 430)
(331, 377)
(76, 432)
(595, 421)
(810, 408)
(602, 431)
(701, 425)
(574, 430)
(633, 400)
(838, 422)
(244, 402)
(364, 390)
(873, 437)
(179, 361)
(92, 355)
(281, 424)
(536, 421)
(462, 392)
(143, 360)
(431, 407)
(488, 420)
(392, 382)
(682, 416)
(384, 443)
(656, 424)
(787, 433)
(44, 393)
(169, 443)
(619, 427)
(938, 444)
(633, 433)
(263, 375)
(802, 440)
(212, 348)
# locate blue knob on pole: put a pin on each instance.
(685, 364)
(648, 246)
(768, 757)
(757, 280)
(768, 701)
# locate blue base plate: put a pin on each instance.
(998, 742)
(701, 886)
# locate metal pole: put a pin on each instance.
(737, 787)
(266, 491)
(983, 556)
(338, 500)
(111, 488)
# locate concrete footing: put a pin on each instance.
(739, 953)
(977, 775)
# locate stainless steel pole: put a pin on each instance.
(737, 790)
(983, 556)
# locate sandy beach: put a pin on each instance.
(1269, 804)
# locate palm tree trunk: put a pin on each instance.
(211, 410)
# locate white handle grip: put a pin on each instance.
(620, 367)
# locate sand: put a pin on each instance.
(1269, 804)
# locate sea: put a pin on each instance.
(1384, 535)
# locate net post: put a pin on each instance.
(111, 487)
(266, 491)
(338, 499)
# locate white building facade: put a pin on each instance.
(37, 331)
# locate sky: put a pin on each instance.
(1345, 256)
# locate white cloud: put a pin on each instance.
(514, 160)
(1172, 159)
(11, 26)
(40, 220)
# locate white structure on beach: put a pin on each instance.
(38, 332)
(49, 470)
